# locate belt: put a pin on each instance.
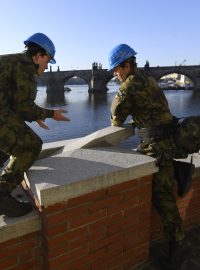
(157, 133)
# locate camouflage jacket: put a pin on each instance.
(18, 88)
(140, 96)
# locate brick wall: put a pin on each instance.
(106, 229)
(23, 253)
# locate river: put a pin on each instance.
(89, 113)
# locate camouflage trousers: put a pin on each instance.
(164, 200)
(20, 146)
(163, 196)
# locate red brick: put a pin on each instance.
(112, 252)
(29, 254)
(132, 195)
(57, 251)
(132, 184)
(85, 267)
(55, 230)
(64, 266)
(106, 202)
(121, 224)
(130, 221)
(86, 219)
(77, 211)
(58, 207)
(99, 194)
(106, 221)
(34, 264)
(145, 194)
(54, 219)
(116, 268)
(16, 249)
(9, 243)
(55, 262)
(146, 180)
(9, 261)
(64, 216)
(99, 266)
(90, 258)
(144, 216)
(105, 242)
(99, 233)
(82, 241)
(129, 254)
(115, 228)
(121, 206)
(63, 238)
(136, 261)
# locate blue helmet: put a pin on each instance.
(43, 41)
(119, 54)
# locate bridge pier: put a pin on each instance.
(97, 83)
(197, 84)
(54, 85)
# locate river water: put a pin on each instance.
(89, 113)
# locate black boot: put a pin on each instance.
(11, 207)
(178, 253)
(183, 172)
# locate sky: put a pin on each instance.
(164, 32)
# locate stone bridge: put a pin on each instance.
(97, 79)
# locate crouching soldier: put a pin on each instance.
(18, 88)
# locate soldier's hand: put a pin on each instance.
(42, 124)
(58, 115)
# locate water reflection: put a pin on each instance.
(183, 103)
(97, 99)
(57, 99)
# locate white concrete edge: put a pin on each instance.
(11, 228)
(62, 193)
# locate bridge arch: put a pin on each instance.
(76, 74)
(83, 78)
(175, 81)
(192, 72)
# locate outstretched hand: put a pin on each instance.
(58, 115)
(42, 124)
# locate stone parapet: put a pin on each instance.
(70, 174)
(93, 207)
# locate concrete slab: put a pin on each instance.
(108, 136)
(77, 172)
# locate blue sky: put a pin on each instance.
(83, 31)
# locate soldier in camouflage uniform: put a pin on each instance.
(18, 88)
(140, 96)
